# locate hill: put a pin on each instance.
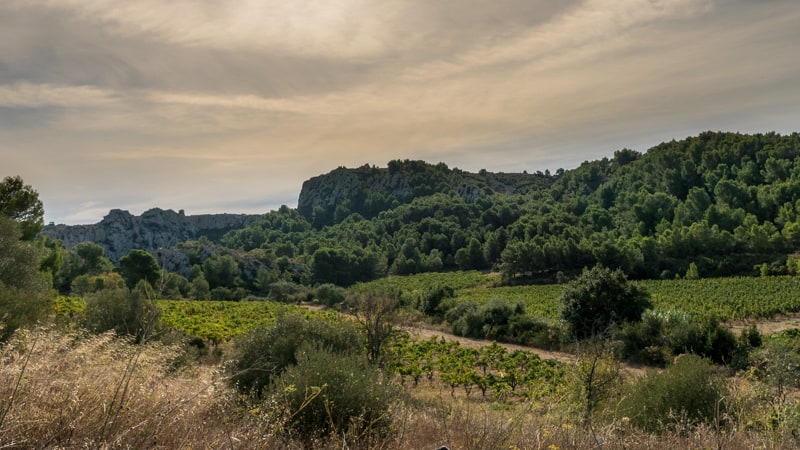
(368, 190)
(120, 231)
(716, 204)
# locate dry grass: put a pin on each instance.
(76, 390)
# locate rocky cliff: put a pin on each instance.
(367, 190)
(120, 232)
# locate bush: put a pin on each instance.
(663, 334)
(600, 299)
(264, 353)
(330, 294)
(286, 291)
(501, 320)
(25, 296)
(326, 392)
(688, 392)
(125, 312)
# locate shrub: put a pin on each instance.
(121, 310)
(326, 392)
(330, 295)
(429, 301)
(265, 352)
(600, 299)
(688, 392)
(286, 291)
(663, 334)
(25, 296)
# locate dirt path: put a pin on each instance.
(768, 326)
(425, 333)
(765, 326)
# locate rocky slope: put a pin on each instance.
(368, 190)
(120, 231)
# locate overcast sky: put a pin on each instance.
(229, 105)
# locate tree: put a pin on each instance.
(375, 313)
(471, 256)
(92, 258)
(20, 203)
(600, 298)
(124, 311)
(220, 270)
(200, 289)
(25, 294)
(139, 265)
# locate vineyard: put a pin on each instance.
(727, 298)
(215, 321)
(220, 321)
(491, 370)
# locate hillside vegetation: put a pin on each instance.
(718, 204)
(625, 263)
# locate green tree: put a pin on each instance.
(125, 311)
(220, 270)
(200, 290)
(471, 257)
(25, 294)
(139, 265)
(20, 203)
(600, 298)
(692, 273)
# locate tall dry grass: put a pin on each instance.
(62, 389)
(78, 390)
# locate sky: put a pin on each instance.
(227, 106)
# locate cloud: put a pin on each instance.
(152, 102)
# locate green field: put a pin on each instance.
(216, 321)
(727, 298)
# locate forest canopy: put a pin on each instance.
(717, 204)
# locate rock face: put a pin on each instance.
(368, 190)
(120, 232)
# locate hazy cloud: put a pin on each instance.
(230, 105)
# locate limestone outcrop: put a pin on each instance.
(120, 231)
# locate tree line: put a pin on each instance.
(717, 204)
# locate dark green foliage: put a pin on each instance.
(128, 312)
(600, 299)
(287, 291)
(749, 340)
(430, 300)
(344, 267)
(689, 392)
(330, 294)
(723, 203)
(662, 335)
(139, 265)
(25, 293)
(353, 395)
(264, 353)
(220, 270)
(500, 320)
(20, 203)
(471, 257)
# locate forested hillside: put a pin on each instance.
(717, 204)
